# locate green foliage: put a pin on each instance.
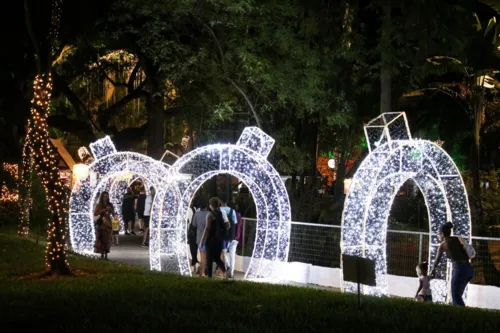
(490, 196)
(9, 214)
(289, 157)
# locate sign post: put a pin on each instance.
(359, 270)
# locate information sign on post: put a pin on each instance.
(359, 270)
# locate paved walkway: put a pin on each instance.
(130, 252)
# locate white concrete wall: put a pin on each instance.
(478, 296)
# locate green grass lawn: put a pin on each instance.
(120, 298)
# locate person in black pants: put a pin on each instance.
(212, 244)
(193, 247)
(128, 212)
(140, 203)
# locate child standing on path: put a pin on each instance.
(115, 222)
(424, 293)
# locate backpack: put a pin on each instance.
(222, 226)
(468, 248)
(232, 225)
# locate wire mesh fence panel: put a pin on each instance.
(487, 262)
(315, 245)
(319, 245)
(404, 251)
(245, 247)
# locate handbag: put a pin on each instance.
(468, 248)
(107, 222)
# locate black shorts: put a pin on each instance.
(117, 232)
(145, 219)
(128, 218)
(427, 298)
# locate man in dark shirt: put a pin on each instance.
(128, 212)
(139, 208)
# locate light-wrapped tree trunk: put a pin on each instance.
(39, 149)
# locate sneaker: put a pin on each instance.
(127, 233)
(144, 245)
(132, 233)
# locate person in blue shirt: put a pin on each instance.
(229, 249)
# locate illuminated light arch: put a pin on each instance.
(116, 187)
(394, 158)
(247, 160)
(108, 164)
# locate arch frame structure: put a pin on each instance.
(117, 186)
(393, 159)
(247, 160)
(108, 164)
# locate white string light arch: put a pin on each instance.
(394, 158)
(117, 186)
(102, 173)
(247, 160)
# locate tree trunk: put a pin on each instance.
(478, 114)
(25, 192)
(490, 273)
(156, 119)
(477, 213)
(341, 171)
(41, 150)
(386, 63)
(229, 187)
(212, 187)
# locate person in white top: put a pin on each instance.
(147, 213)
(424, 293)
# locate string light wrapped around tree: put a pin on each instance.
(39, 151)
(394, 158)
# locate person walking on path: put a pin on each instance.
(128, 211)
(148, 205)
(199, 223)
(211, 237)
(230, 244)
(102, 217)
(462, 272)
(139, 208)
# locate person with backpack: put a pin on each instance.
(230, 244)
(216, 230)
